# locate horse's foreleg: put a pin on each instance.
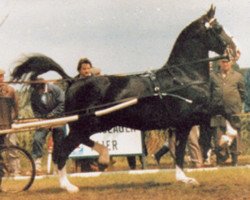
(181, 141)
(103, 153)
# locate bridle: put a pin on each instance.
(215, 30)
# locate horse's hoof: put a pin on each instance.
(103, 153)
(103, 160)
(70, 188)
(190, 181)
(102, 167)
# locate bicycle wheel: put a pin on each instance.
(18, 169)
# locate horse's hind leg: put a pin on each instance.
(181, 141)
(67, 146)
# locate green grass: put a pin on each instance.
(229, 183)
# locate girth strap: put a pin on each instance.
(155, 83)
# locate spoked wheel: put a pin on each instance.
(17, 169)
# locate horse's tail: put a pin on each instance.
(34, 65)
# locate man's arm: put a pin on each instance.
(59, 96)
(14, 98)
(241, 88)
(35, 107)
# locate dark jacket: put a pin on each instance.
(229, 91)
(49, 104)
(247, 99)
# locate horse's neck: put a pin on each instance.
(189, 51)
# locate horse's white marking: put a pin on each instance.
(228, 138)
(208, 24)
(230, 130)
(181, 176)
(211, 20)
(65, 183)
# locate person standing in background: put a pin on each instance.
(47, 101)
(192, 145)
(8, 112)
(85, 69)
(228, 91)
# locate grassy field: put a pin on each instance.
(223, 183)
(217, 183)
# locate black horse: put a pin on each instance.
(176, 95)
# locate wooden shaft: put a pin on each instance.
(49, 122)
(116, 107)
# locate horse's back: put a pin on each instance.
(98, 90)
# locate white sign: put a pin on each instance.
(119, 140)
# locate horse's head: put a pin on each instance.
(214, 36)
(198, 38)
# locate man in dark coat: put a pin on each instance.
(47, 101)
(228, 90)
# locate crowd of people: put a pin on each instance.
(228, 90)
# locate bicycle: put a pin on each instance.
(20, 179)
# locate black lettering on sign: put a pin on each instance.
(114, 145)
(129, 130)
(121, 129)
(110, 131)
(115, 130)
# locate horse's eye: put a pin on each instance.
(218, 28)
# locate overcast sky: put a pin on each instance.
(117, 36)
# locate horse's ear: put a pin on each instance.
(211, 12)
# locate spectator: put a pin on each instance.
(47, 101)
(169, 145)
(228, 91)
(8, 112)
(194, 147)
(132, 159)
(86, 69)
(247, 99)
(215, 66)
(192, 144)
